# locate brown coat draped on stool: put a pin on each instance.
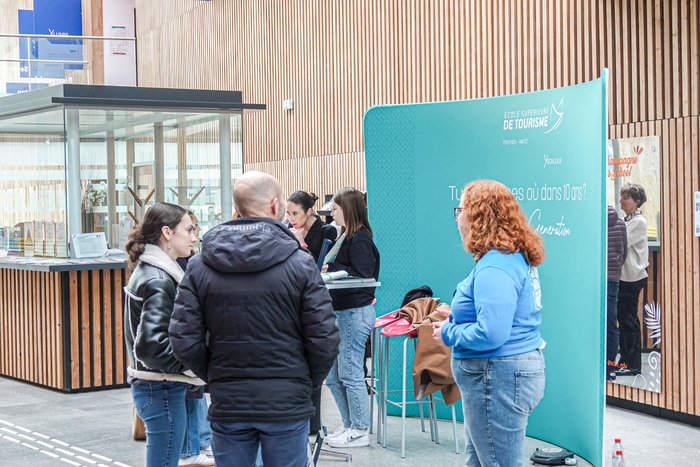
(432, 369)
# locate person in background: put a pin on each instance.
(198, 434)
(158, 379)
(633, 278)
(356, 254)
(310, 231)
(272, 334)
(617, 253)
(493, 329)
(306, 226)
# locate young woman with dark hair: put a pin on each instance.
(158, 380)
(306, 226)
(356, 254)
(493, 330)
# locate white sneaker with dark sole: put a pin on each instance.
(338, 432)
(351, 439)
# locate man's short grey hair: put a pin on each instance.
(253, 192)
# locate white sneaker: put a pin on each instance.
(207, 452)
(200, 460)
(351, 439)
(339, 432)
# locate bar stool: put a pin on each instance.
(375, 384)
(401, 328)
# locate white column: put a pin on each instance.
(73, 171)
(225, 153)
(159, 164)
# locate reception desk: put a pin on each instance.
(61, 322)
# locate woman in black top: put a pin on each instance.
(355, 316)
(310, 230)
(306, 226)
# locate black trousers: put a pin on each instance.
(630, 329)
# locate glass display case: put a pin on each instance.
(78, 159)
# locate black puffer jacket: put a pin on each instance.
(272, 332)
(617, 244)
(148, 306)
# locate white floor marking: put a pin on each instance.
(65, 452)
(89, 462)
(68, 461)
(55, 456)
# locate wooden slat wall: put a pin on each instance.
(30, 326)
(323, 175)
(679, 284)
(98, 357)
(336, 58)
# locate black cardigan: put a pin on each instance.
(359, 257)
(318, 232)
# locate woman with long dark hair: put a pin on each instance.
(356, 254)
(493, 330)
(158, 380)
(305, 224)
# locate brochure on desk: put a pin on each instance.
(89, 245)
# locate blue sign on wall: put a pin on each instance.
(52, 17)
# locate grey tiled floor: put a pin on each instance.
(95, 428)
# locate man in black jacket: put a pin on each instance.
(272, 333)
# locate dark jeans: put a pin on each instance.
(613, 337)
(630, 329)
(283, 444)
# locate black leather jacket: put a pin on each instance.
(149, 300)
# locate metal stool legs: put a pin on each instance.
(383, 401)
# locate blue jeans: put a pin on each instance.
(498, 394)
(198, 434)
(346, 380)
(239, 444)
(162, 408)
(613, 337)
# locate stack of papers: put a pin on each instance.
(331, 276)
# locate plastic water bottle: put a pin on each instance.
(616, 447)
(618, 460)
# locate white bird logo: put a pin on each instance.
(561, 116)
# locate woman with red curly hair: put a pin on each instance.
(497, 356)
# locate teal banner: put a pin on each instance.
(548, 147)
